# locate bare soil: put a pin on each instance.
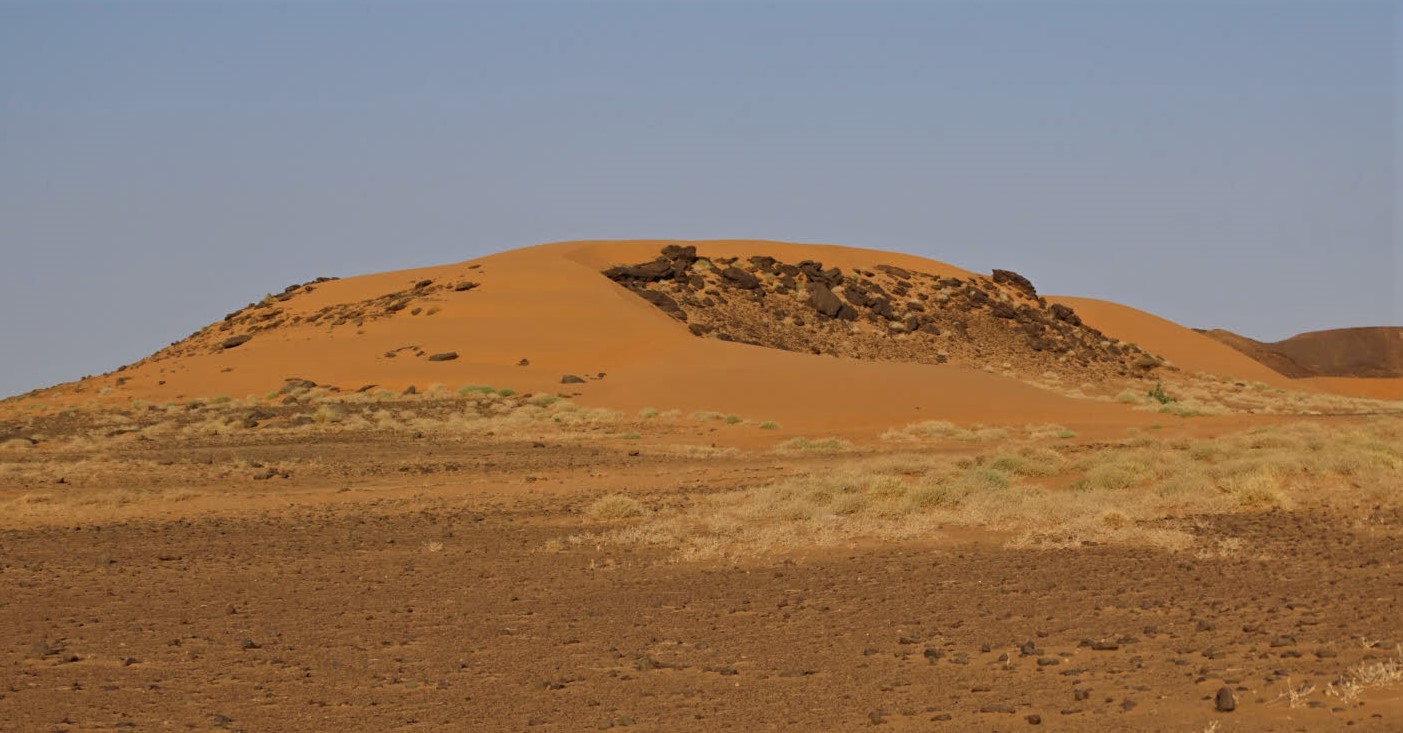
(364, 597)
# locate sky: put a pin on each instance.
(1222, 164)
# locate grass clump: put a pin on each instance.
(648, 413)
(820, 445)
(616, 506)
(769, 425)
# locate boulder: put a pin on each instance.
(680, 253)
(1015, 281)
(1065, 314)
(659, 269)
(234, 341)
(740, 278)
(823, 300)
(664, 302)
(571, 379)
(445, 356)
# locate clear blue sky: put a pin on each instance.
(1226, 164)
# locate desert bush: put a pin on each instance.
(1159, 395)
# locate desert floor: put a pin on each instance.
(181, 574)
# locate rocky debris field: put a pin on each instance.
(887, 313)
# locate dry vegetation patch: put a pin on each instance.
(1139, 492)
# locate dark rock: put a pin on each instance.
(234, 341)
(679, 253)
(295, 384)
(1003, 310)
(1013, 279)
(664, 302)
(1225, 701)
(882, 307)
(445, 356)
(524, 362)
(464, 286)
(1065, 314)
(659, 269)
(854, 293)
(823, 300)
(1034, 719)
(740, 278)
(896, 271)
(571, 379)
(699, 329)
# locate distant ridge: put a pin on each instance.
(1371, 352)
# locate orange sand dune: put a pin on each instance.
(550, 306)
(1183, 347)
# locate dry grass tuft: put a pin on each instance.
(616, 506)
(819, 445)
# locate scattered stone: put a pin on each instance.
(997, 708)
(234, 341)
(524, 362)
(464, 286)
(445, 356)
(1225, 701)
(571, 379)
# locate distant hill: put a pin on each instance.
(1375, 352)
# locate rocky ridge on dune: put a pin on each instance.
(884, 313)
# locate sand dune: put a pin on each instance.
(1183, 347)
(527, 317)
